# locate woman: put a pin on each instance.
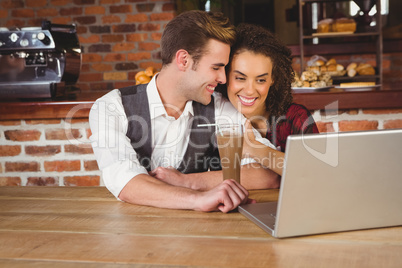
(259, 77)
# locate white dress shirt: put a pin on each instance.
(116, 157)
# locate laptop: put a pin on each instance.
(335, 182)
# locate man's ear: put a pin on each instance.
(182, 59)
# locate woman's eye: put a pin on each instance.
(240, 78)
(261, 81)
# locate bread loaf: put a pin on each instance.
(325, 26)
(344, 25)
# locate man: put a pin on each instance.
(142, 134)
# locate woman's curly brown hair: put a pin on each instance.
(259, 40)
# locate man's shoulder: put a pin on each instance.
(131, 90)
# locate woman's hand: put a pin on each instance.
(170, 176)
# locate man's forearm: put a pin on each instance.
(146, 190)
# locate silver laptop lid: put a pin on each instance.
(340, 181)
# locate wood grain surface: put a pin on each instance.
(87, 227)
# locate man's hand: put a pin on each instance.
(225, 197)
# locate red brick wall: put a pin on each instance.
(49, 152)
(118, 37)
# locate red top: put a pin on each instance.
(298, 120)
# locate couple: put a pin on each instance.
(145, 138)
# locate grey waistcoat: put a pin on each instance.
(201, 154)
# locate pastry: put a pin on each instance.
(344, 25)
(324, 26)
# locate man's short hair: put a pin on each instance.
(191, 31)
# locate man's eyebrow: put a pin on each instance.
(219, 64)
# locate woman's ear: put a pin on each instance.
(182, 59)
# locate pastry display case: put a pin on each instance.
(342, 29)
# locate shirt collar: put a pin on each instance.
(156, 107)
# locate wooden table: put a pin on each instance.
(87, 227)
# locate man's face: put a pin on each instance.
(202, 78)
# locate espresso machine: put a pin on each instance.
(39, 62)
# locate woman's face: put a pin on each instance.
(248, 83)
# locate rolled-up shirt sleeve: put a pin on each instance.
(112, 148)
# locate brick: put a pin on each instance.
(60, 2)
(10, 4)
(100, 29)
(3, 14)
(137, 37)
(85, 20)
(35, 3)
(111, 19)
(120, 84)
(43, 181)
(65, 20)
(78, 149)
(10, 122)
(81, 180)
(136, 18)
(120, 9)
(84, 2)
(90, 39)
(105, 2)
(148, 46)
(382, 111)
(169, 7)
(42, 121)
(145, 7)
(149, 27)
(43, 150)
(112, 38)
(15, 23)
(22, 135)
(115, 76)
(325, 127)
(23, 13)
(93, 10)
(61, 166)
(156, 65)
(77, 120)
(91, 165)
(138, 56)
(92, 77)
(156, 36)
(161, 16)
(124, 66)
(124, 28)
(99, 48)
(22, 166)
(123, 47)
(70, 11)
(10, 181)
(357, 125)
(91, 58)
(100, 67)
(392, 124)
(10, 150)
(47, 12)
(115, 57)
(62, 134)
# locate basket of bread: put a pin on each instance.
(320, 72)
(144, 77)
